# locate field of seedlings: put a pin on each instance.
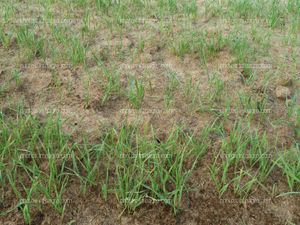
(150, 112)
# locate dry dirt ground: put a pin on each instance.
(76, 90)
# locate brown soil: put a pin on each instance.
(65, 93)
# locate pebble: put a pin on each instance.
(282, 92)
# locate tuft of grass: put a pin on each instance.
(33, 45)
(151, 172)
(190, 8)
(241, 47)
(146, 171)
(104, 5)
(289, 162)
(218, 87)
(205, 45)
(16, 76)
(76, 51)
(191, 91)
(136, 92)
(181, 47)
(30, 144)
(113, 84)
(275, 15)
(245, 161)
(173, 84)
(8, 11)
(5, 38)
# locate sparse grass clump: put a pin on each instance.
(173, 84)
(245, 160)
(205, 45)
(33, 45)
(152, 171)
(234, 127)
(76, 51)
(136, 92)
(289, 162)
(113, 85)
(5, 38)
(38, 161)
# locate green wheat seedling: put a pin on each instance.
(252, 107)
(146, 169)
(130, 179)
(190, 8)
(103, 5)
(141, 45)
(247, 155)
(130, 170)
(57, 83)
(292, 107)
(205, 45)
(215, 42)
(289, 162)
(262, 38)
(105, 185)
(34, 46)
(76, 51)
(136, 92)
(173, 85)
(260, 155)
(181, 47)
(241, 47)
(16, 76)
(81, 3)
(5, 38)
(172, 5)
(4, 88)
(293, 7)
(243, 183)
(191, 91)
(168, 7)
(113, 85)
(275, 14)
(218, 87)
(243, 8)
(8, 11)
(59, 34)
(24, 139)
(27, 205)
(40, 163)
(247, 101)
(86, 21)
(90, 158)
(213, 8)
(57, 202)
(86, 96)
